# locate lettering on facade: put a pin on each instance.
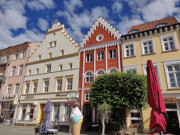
(29, 97)
(60, 95)
(169, 99)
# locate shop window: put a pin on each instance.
(31, 113)
(23, 115)
(56, 112)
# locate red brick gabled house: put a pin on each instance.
(100, 53)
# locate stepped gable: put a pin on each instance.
(152, 25)
(101, 26)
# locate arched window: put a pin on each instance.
(133, 31)
(113, 70)
(161, 25)
(100, 72)
(89, 77)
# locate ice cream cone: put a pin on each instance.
(76, 128)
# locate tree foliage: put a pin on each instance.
(120, 90)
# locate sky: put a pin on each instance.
(29, 20)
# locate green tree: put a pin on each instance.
(103, 112)
(120, 90)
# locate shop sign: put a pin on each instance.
(29, 97)
(169, 99)
(61, 94)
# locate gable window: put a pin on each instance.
(9, 89)
(35, 85)
(59, 85)
(13, 71)
(20, 69)
(24, 53)
(48, 68)
(46, 86)
(168, 42)
(89, 57)
(161, 25)
(89, 77)
(17, 54)
(52, 44)
(131, 69)
(99, 37)
(87, 96)
(100, 72)
(129, 50)
(16, 88)
(147, 46)
(27, 88)
(69, 83)
(133, 31)
(112, 54)
(100, 56)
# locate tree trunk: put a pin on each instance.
(103, 125)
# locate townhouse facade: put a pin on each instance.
(52, 73)
(158, 41)
(12, 70)
(100, 53)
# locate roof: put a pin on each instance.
(152, 25)
(107, 27)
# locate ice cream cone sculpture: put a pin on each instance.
(76, 121)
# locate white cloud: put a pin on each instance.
(41, 4)
(71, 5)
(43, 24)
(160, 9)
(117, 6)
(126, 23)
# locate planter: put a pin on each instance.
(137, 130)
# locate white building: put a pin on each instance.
(51, 73)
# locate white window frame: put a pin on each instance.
(113, 68)
(48, 68)
(27, 88)
(20, 69)
(35, 88)
(142, 46)
(158, 73)
(97, 73)
(114, 54)
(24, 53)
(57, 108)
(9, 89)
(16, 88)
(87, 96)
(166, 36)
(46, 87)
(88, 57)
(70, 83)
(59, 85)
(89, 76)
(128, 44)
(135, 111)
(100, 56)
(17, 55)
(13, 71)
(126, 68)
(167, 63)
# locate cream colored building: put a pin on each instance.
(158, 41)
(51, 73)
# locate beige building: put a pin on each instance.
(158, 41)
(52, 72)
(12, 70)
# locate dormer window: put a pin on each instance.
(133, 31)
(161, 25)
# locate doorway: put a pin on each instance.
(41, 114)
(87, 112)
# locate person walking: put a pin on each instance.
(1, 120)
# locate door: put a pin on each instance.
(87, 112)
(41, 114)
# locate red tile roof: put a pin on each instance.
(152, 25)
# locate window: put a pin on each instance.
(8, 57)
(48, 68)
(20, 69)
(147, 46)
(60, 67)
(17, 54)
(59, 85)
(52, 44)
(29, 72)
(24, 53)
(70, 65)
(87, 96)
(37, 70)
(129, 50)
(0, 59)
(27, 88)
(89, 57)
(168, 42)
(39, 57)
(133, 31)
(35, 85)
(0, 87)
(56, 112)
(50, 55)
(112, 54)
(99, 37)
(173, 75)
(135, 116)
(157, 71)
(100, 56)
(9, 89)
(89, 77)
(16, 88)
(131, 69)
(31, 113)
(113, 70)
(69, 83)
(100, 72)
(161, 25)
(23, 116)
(67, 113)
(13, 71)
(46, 86)
(62, 53)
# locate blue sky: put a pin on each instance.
(28, 20)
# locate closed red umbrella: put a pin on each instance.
(155, 100)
